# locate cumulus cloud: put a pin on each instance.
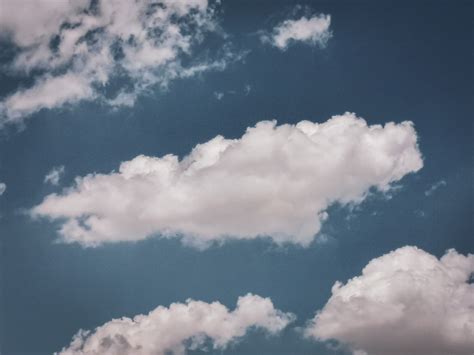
(405, 302)
(181, 326)
(435, 187)
(274, 181)
(3, 188)
(80, 50)
(54, 175)
(311, 30)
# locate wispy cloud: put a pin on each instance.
(54, 175)
(247, 89)
(432, 189)
(74, 49)
(3, 188)
(219, 95)
(309, 29)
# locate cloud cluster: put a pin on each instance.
(83, 50)
(274, 181)
(405, 302)
(181, 326)
(312, 30)
(54, 175)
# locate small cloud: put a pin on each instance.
(3, 188)
(311, 30)
(435, 187)
(247, 89)
(54, 175)
(123, 99)
(218, 95)
(391, 191)
(325, 239)
(420, 213)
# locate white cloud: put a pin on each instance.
(3, 188)
(274, 181)
(435, 187)
(54, 175)
(405, 302)
(309, 30)
(180, 327)
(48, 92)
(139, 40)
(219, 95)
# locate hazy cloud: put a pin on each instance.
(3, 188)
(247, 89)
(181, 326)
(435, 187)
(405, 302)
(219, 95)
(274, 181)
(54, 175)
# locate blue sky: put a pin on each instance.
(384, 61)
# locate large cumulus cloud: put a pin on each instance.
(405, 302)
(172, 330)
(274, 181)
(81, 50)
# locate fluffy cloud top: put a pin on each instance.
(405, 302)
(310, 30)
(54, 175)
(181, 326)
(274, 181)
(75, 48)
(3, 188)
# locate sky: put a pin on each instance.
(236, 177)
